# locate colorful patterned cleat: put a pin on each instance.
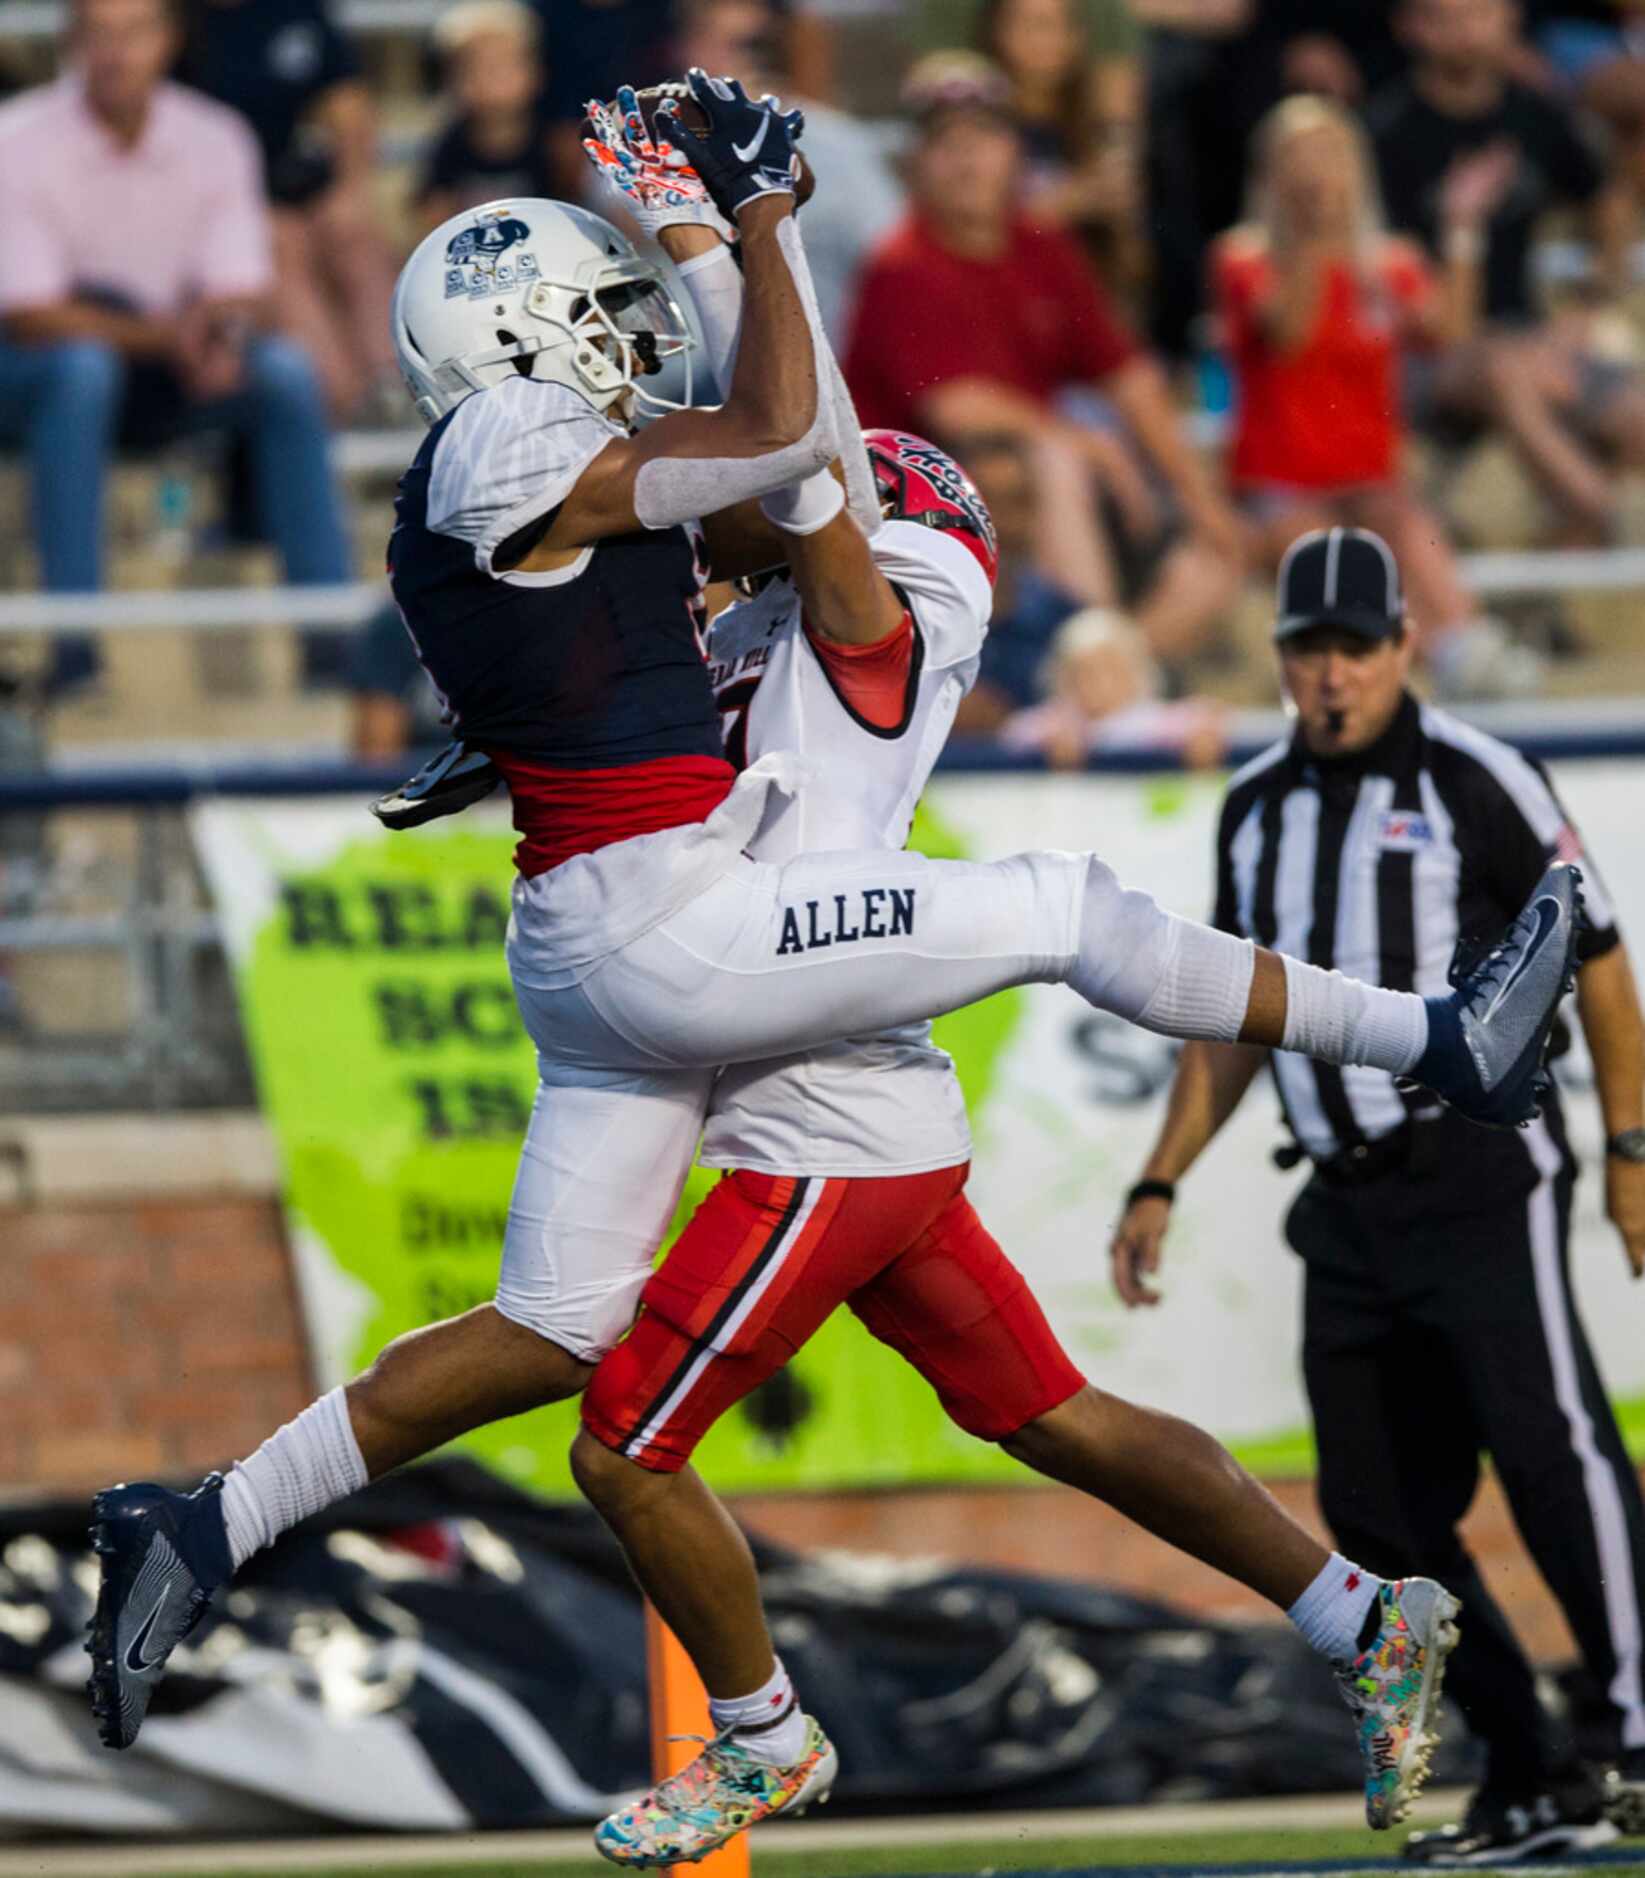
(724, 1791)
(1393, 1689)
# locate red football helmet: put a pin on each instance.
(920, 483)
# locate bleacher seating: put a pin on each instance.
(200, 637)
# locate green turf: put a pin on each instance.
(773, 1859)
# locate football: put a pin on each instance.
(693, 116)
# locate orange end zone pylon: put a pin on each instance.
(679, 1706)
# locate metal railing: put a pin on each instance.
(1492, 575)
(43, 19)
(379, 19)
(114, 992)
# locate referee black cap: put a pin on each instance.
(1343, 577)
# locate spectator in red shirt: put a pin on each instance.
(969, 318)
(1317, 305)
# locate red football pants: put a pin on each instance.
(766, 1259)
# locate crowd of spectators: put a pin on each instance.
(1075, 220)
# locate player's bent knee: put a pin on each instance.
(626, 1417)
(1039, 1440)
(474, 1367)
(584, 1324)
(604, 1478)
(1155, 969)
(1125, 941)
(548, 1369)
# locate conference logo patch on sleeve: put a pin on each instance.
(1404, 831)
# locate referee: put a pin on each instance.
(1439, 1319)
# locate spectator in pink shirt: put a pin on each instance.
(134, 296)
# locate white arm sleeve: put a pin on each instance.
(669, 490)
(715, 284)
(509, 456)
(803, 508)
(862, 497)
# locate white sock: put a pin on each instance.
(1339, 1020)
(1331, 1612)
(768, 1723)
(1148, 966)
(312, 1462)
(1205, 986)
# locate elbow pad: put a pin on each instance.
(670, 490)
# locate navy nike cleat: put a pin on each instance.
(161, 1556)
(1488, 1041)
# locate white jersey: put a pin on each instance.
(889, 1104)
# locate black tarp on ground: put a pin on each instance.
(443, 1650)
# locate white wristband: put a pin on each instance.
(805, 508)
(716, 256)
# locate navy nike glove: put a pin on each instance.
(746, 152)
(455, 779)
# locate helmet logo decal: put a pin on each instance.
(474, 257)
(950, 481)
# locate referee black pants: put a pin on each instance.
(1439, 1326)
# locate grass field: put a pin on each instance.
(785, 1854)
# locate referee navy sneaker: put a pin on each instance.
(1393, 1688)
(1488, 1040)
(724, 1791)
(161, 1556)
(1503, 1829)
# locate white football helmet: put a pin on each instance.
(536, 281)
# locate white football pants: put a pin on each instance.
(773, 959)
(767, 960)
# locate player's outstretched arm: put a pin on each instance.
(776, 424)
(843, 594)
(772, 428)
(1210, 1082)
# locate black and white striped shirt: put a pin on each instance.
(1377, 864)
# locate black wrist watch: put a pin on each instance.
(1629, 1145)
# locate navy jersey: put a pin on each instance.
(596, 665)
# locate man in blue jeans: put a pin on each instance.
(134, 282)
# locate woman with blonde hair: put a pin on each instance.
(1318, 305)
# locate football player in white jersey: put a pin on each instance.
(846, 1169)
(548, 564)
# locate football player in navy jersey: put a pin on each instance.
(549, 563)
